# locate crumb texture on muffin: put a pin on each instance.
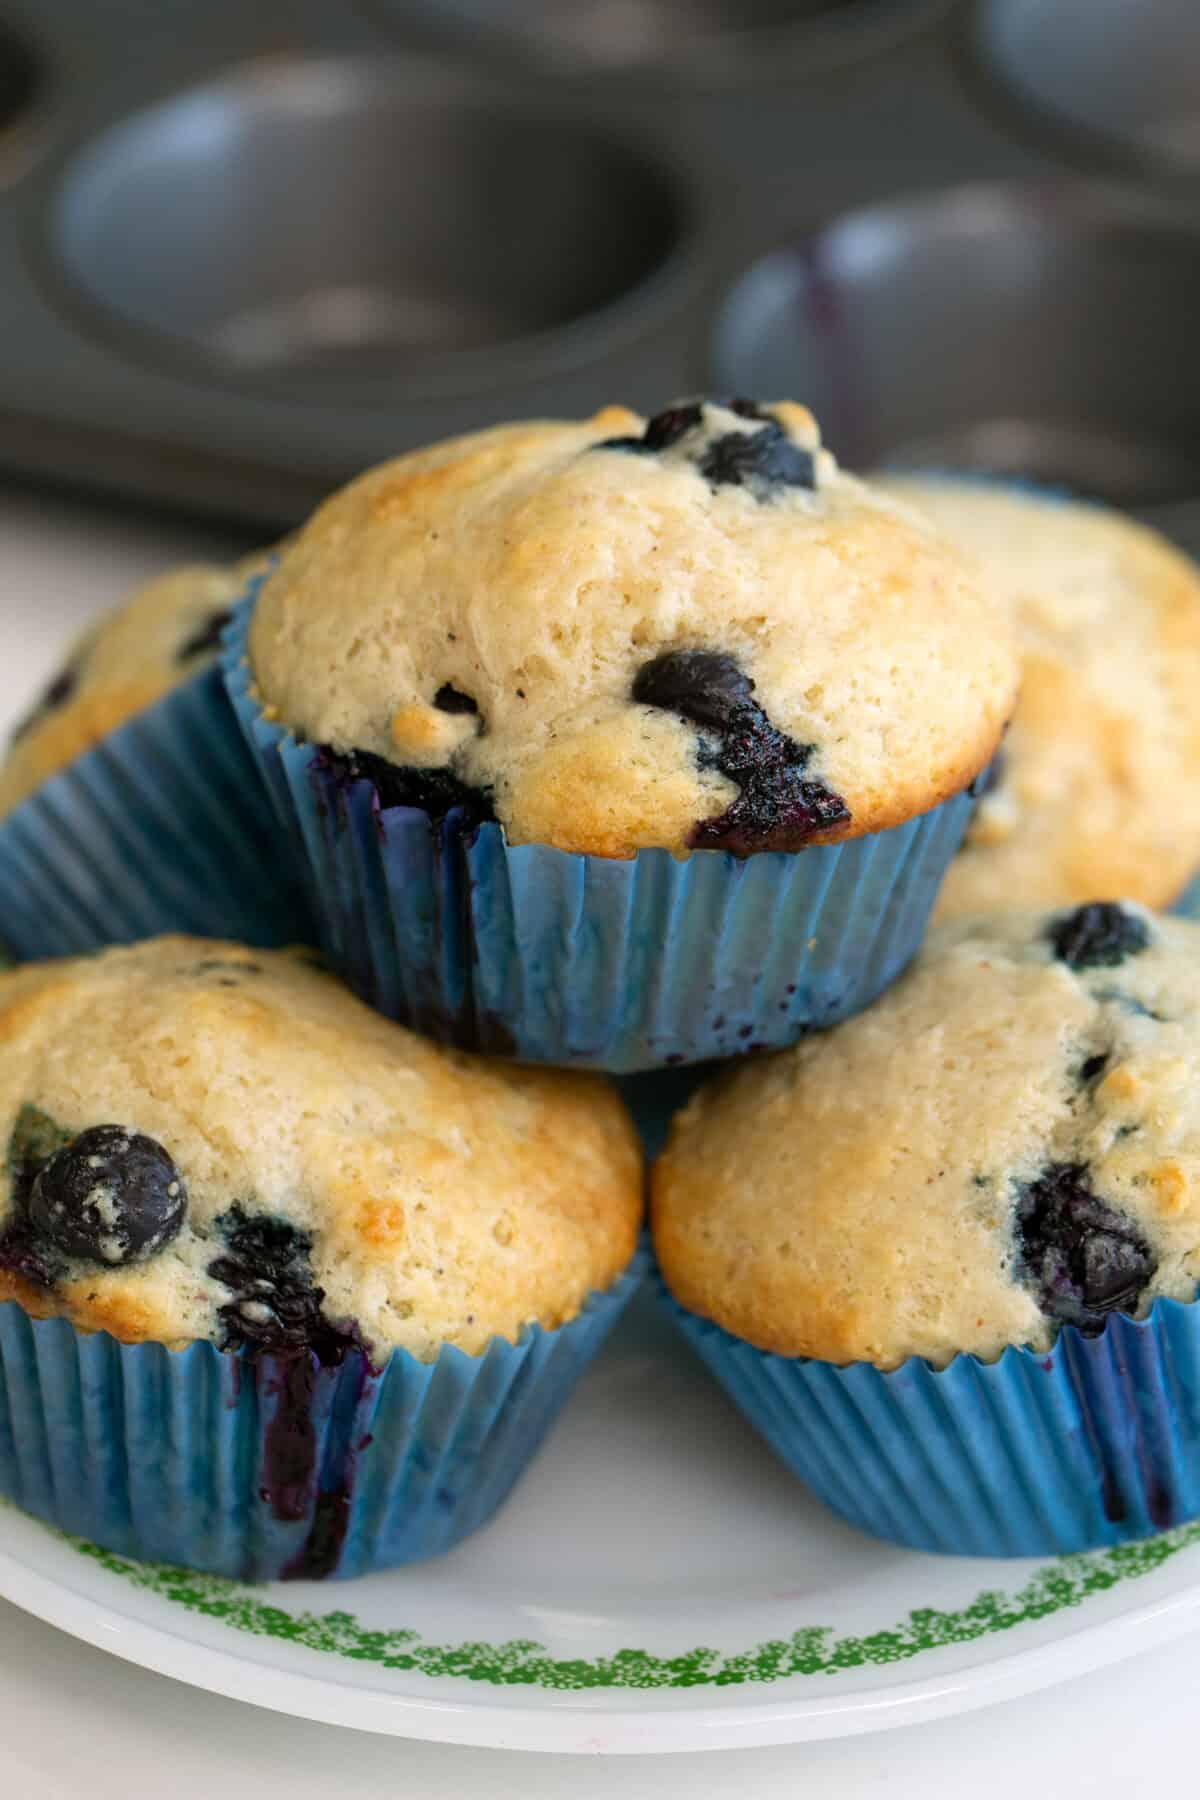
(1007, 1143)
(689, 632)
(168, 631)
(206, 1142)
(1099, 788)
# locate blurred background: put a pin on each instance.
(245, 250)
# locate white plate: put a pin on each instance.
(657, 1582)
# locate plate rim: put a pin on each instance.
(564, 1725)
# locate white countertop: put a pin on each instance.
(75, 1721)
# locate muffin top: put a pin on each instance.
(1099, 783)
(695, 632)
(209, 1142)
(1008, 1142)
(168, 631)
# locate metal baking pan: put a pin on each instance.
(245, 251)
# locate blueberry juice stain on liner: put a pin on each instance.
(293, 1484)
(308, 1364)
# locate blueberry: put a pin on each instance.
(206, 639)
(449, 699)
(1097, 936)
(433, 791)
(109, 1196)
(276, 1307)
(778, 807)
(663, 430)
(1083, 1257)
(760, 460)
(1092, 1068)
(701, 685)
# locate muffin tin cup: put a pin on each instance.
(586, 961)
(273, 1469)
(1091, 288)
(1113, 82)
(162, 827)
(487, 220)
(1092, 1443)
(705, 43)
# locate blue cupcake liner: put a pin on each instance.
(1092, 1443)
(586, 961)
(162, 827)
(273, 1469)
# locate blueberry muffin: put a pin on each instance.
(391, 1260)
(168, 631)
(1098, 792)
(237, 1103)
(692, 632)
(623, 743)
(987, 1185)
(129, 805)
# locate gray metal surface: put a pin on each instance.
(1122, 75)
(372, 219)
(713, 41)
(1025, 330)
(245, 250)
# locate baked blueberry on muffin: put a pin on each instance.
(167, 632)
(624, 639)
(214, 1147)
(695, 631)
(984, 1184)
(128, 803)
(1098, 791)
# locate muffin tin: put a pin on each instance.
(279, 243)
(1124, 78)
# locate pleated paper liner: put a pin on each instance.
(585, 961)
(164, 826)
(274, 1468)
(1092, 1443)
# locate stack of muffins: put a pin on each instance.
(616, 746)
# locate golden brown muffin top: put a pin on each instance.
(693, 632)
(1099, 787)
(167, 632)
(281, 1159)
(1009, 1141)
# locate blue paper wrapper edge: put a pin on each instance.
(1092, 1443)
(191, 1457)
(585, 961)
(161, 827)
